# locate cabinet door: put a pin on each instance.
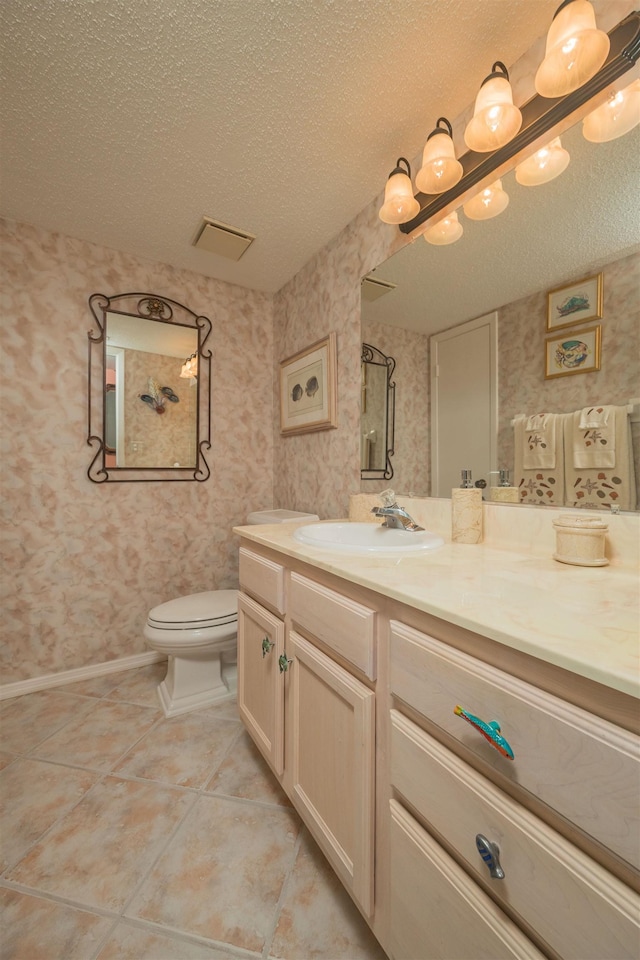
(437, 911)
(260, 682)
(332, 762)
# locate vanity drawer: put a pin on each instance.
(345, 626)
(437, 911)
(577, 907)
(580, 765)
(262, 578)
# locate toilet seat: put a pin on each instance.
(198, 611)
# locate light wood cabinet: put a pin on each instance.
(358, 723)
(313, 721)
(437, 912)
(331, 717)
(260, 687)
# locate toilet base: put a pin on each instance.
(192, 684)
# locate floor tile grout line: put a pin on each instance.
(40, 894)
(268, 940)
(162, 849)
(179, 936)
(43, 836)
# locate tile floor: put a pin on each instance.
(127, 836)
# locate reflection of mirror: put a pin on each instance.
(585, 222)
(378, 414)
(151, 393)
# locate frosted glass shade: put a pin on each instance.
(399, 203)
(488, 203)
(619, 115)
(575, 50)
(447, 230)
(544, 165)
(495, 119)
(440, 170)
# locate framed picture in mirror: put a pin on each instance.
(576, 351)
(578, 302)
(308, 389)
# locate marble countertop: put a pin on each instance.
(584, 619)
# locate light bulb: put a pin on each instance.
(544, 165)
(488, 203)
(399, 203)
(445, 231)
(495, 119)
(619, 115)
(440, 170)
(575, 50)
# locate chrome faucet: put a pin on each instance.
(395, 516)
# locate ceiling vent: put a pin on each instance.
(221, 239)
(373, 288)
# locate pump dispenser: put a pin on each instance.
(466, 511)
(503, 492)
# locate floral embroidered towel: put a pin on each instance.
(539, 442)
(539, 484)
(594, 436)
(601, 486)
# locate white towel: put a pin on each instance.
(594, 437)
(601, 486)
(591, 417)
(539, 484)
(539, 450)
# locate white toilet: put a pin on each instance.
(198, 633)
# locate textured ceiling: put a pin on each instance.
(125, 121)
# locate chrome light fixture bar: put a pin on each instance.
(539, 116)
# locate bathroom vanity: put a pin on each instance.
(349, 672)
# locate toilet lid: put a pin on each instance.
(212, 608)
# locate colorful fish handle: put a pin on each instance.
(490, 731)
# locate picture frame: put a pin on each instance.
(308, 389)
(575, 351)
(574, 303)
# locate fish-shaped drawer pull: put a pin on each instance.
(490, 731)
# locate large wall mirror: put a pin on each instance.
(149, 390)
(584, 223)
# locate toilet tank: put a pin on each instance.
(280, 516)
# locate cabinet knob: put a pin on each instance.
(490, 854)
(283, 662)
(490, 731)
(266, 646)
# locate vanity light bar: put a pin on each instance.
(539, 116)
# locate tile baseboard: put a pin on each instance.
(49, 680)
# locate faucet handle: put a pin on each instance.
(388, 498)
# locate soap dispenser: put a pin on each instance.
(504, 492)
(466, 511)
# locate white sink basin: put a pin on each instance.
(365, 538)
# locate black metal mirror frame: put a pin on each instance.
(371, 354)
(149, 307)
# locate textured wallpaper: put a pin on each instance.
(83, 563)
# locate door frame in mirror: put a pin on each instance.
(149, 307)
(371, 354)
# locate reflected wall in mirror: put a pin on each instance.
(149, 374)
(378, 414)
(584, 222)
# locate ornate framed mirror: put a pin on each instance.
(149, 389)
(378, 414)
